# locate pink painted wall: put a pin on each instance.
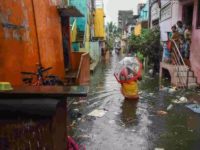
(165, 25)
(195, 46)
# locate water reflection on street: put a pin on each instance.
(133, 125)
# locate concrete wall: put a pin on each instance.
(18, 42)
(195, 46)
(95, 51)
(155, 13)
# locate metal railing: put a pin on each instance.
(181, 67)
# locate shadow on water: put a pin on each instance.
(128, 114)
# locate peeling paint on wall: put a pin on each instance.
(7, 34)
(13, 30)
(16, 35)
(18, 40)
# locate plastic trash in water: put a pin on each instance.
(97, 113)
(169, 107)
(161, 112)
(181, 100)
(194, 107)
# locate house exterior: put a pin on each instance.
(142, 20)
(126, 24)
(144, 12)
(30, 33)
(82, 6)
(189, 13)
(124, 17)
(88, 31)
(97, 43)
(99, 29)
(168, 17)
(154, 13)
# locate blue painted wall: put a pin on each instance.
(144, 13)
(81, 5)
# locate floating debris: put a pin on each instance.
(172, 90)
(169, 107)
(194, 107)
(161, 112)
(151, 94)
(181, 100)
(79, 102)
(97, 113)
(140, 92)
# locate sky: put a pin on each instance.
(111, 8)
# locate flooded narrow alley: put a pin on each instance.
(134, 125)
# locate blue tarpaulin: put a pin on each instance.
(194, 107)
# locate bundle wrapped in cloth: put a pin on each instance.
(127, 73)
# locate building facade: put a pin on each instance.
(168, 17)
(142, 18)
(30, 33)
(154, 13)
(189, 13)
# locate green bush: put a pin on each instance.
(148, 44)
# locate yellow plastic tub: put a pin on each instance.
(5, 86)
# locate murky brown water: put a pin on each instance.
(132, 125)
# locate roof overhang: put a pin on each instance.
(70, 11)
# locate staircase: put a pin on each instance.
(80, 36)
(181, 74)
(184, 77)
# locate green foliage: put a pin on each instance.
(148, 43)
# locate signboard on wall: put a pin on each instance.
(166, 12)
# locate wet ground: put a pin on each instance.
(133, 125)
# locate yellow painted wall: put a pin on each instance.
(99, 30)
(74, 31)
(138, 29)
(87, 40)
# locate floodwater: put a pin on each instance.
(132, 125)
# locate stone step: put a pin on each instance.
(182, 68)
(184, 79)
(184, 74)
(190, 85)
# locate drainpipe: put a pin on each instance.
(36, 29)
(149, 23)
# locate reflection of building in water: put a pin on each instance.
(128, 115)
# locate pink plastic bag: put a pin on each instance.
(72, 145)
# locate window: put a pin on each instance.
(198, 15)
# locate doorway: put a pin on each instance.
(66, 41)
(188, 14)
